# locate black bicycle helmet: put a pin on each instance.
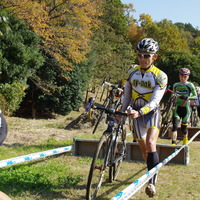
(148, 45)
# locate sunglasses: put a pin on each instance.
(184, 75)
(141, 55)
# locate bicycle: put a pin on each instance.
(109, 153)
(167, 113)
(109, 102)
(194, 119)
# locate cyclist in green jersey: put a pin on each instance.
(182, 110)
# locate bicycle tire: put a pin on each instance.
(166, 119)
(96, 173)
(100, 117)
(194, 119)
(118, 153)
(164, 129)
(3, 129)
(191, 118)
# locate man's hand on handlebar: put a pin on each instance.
(133, 113)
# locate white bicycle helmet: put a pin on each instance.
(148, 45)
(197, 88)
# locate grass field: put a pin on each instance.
(65, 176)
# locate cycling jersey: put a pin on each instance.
(147, 89)
(187, 89)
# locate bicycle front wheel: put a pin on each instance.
(118, 153)
(98, 166)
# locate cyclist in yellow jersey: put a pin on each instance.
(144, 90)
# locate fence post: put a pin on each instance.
(187, 155)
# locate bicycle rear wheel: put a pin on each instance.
(194, 119)
(118, 153)
(164, 129)
(98, 166)
(166, 119)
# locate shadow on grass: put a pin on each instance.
(121, 183)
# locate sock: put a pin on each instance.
(173, 141)
(152, 161)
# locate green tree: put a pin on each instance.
(64, 92)
(4, 26)
(111, 45)
(64, 26)
(195, 46)
(165, 32)
(19, 58)
(174, 60)
(188, 28)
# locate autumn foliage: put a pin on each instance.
(64, 26)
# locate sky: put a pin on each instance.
(185, 11)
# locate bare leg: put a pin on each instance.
(142, 144)
(174, 137)
(3, 196)
(152, 136)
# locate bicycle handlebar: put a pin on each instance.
(189, 98)
(109, 110)
(112, 85)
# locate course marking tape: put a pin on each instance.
(136, 185)
(33, 156)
